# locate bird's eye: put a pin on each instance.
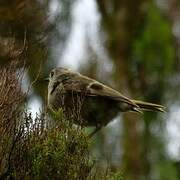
(51, 74)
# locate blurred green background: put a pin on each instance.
(132, 46)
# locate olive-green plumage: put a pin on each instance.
(90, 102)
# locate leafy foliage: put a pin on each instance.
(50, 151)
(154, 49)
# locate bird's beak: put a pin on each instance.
(46, 79)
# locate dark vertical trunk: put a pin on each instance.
(120, 23)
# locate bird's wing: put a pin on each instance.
(91, 87)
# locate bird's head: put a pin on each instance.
(57, 73)
(56, 77)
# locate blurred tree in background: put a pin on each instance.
(140, 42)
(138, 38)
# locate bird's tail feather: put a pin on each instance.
(149, 106)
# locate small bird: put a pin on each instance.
(89, 102)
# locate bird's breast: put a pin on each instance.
(56, 96)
